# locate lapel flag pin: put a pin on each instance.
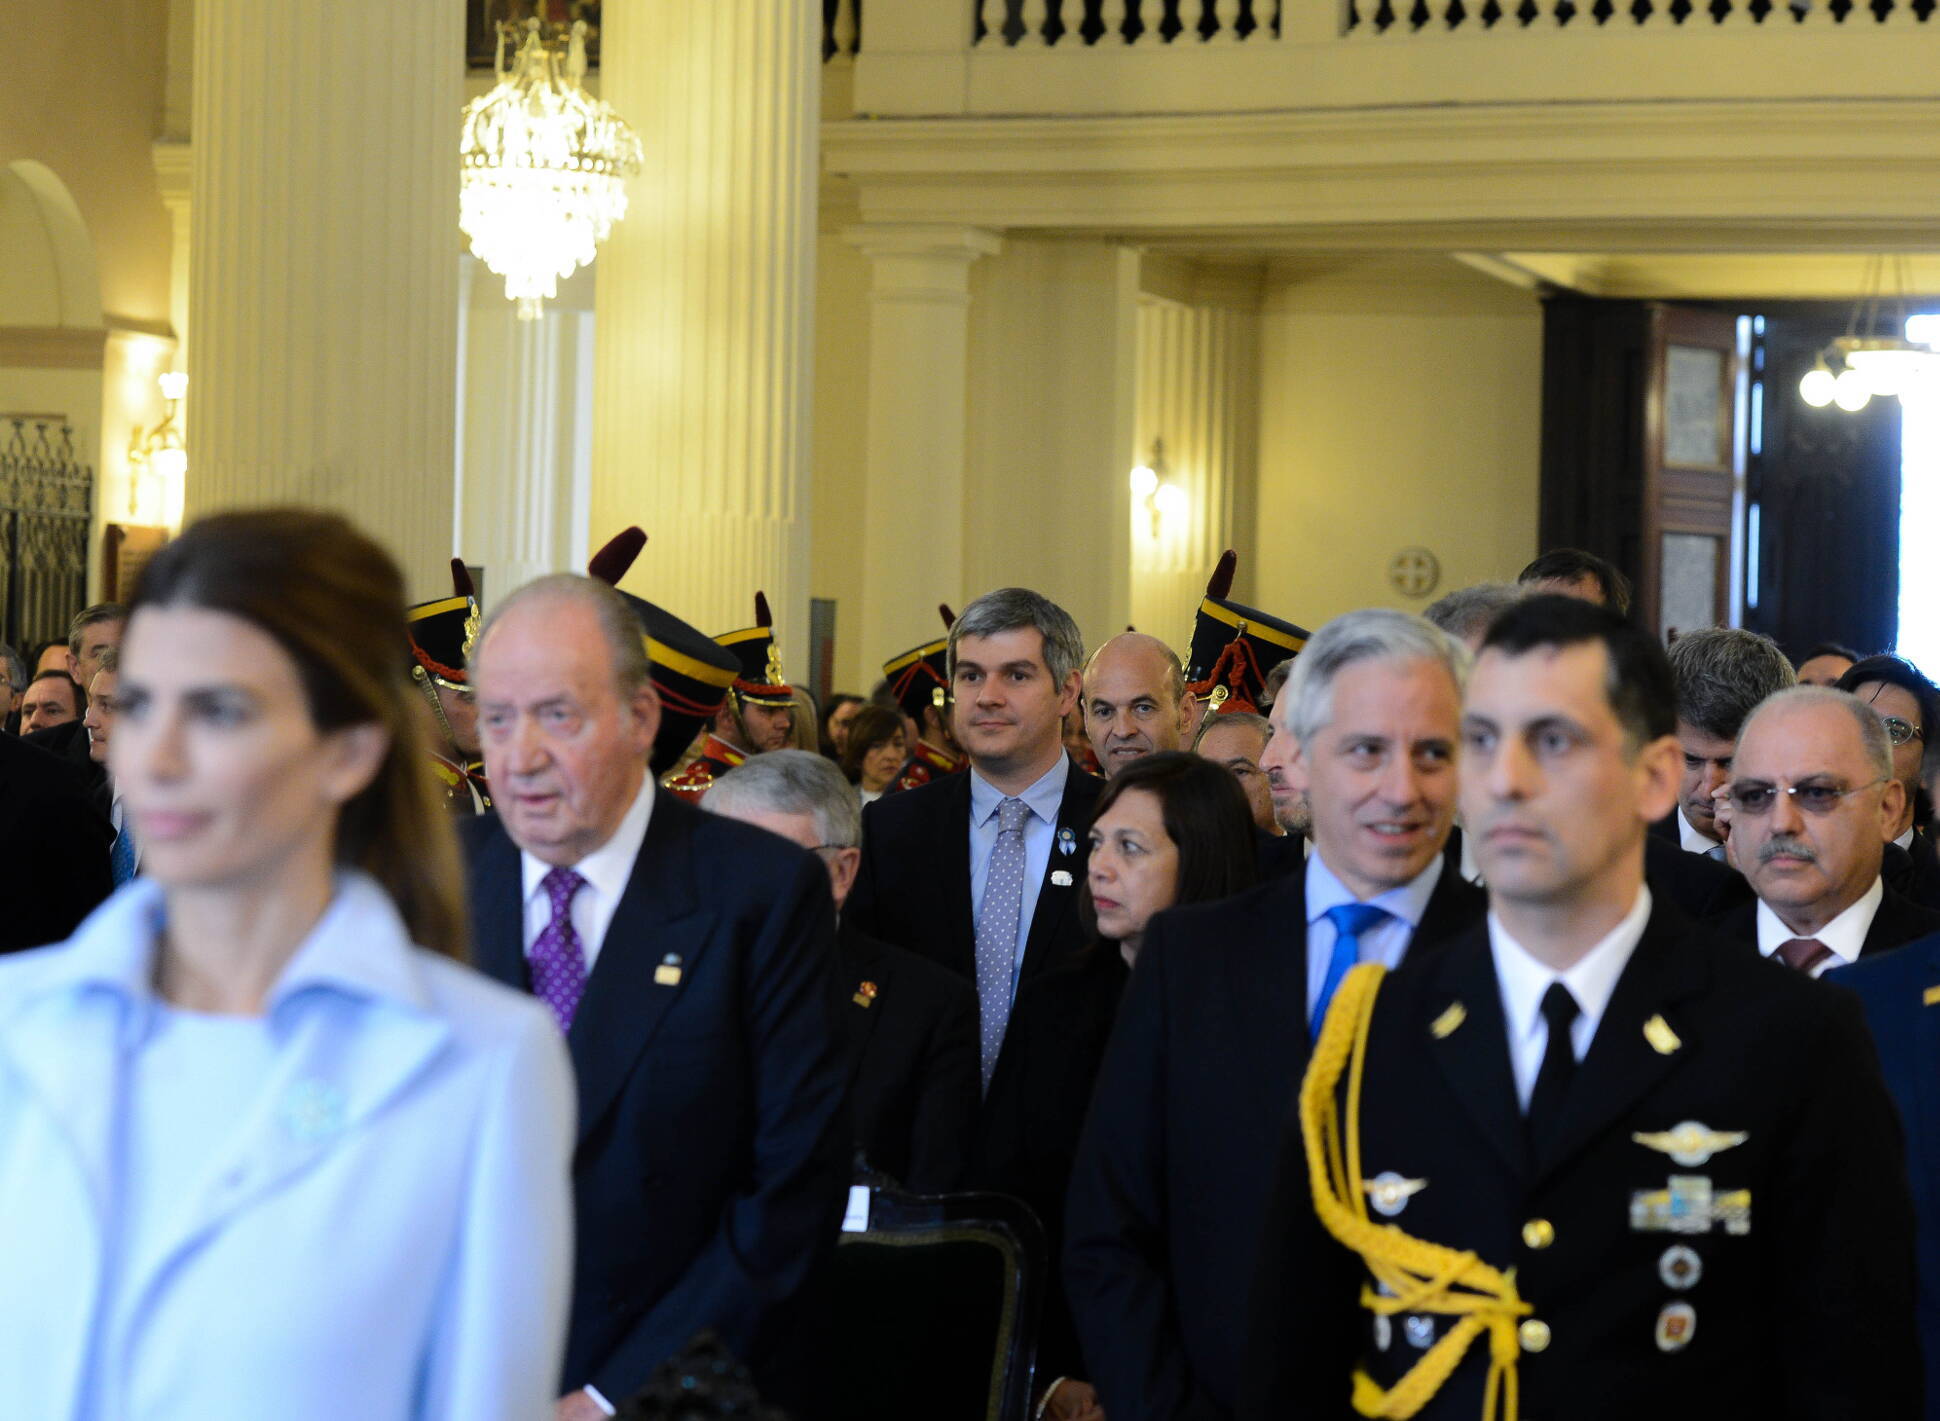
(667, 974)
(1931, 996)
(865, 995)
(1067, 841)
(1662, 1039)
(1444, 1025)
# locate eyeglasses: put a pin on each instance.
(1899, 731)
(1755, 800)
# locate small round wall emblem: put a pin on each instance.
(1414, 572)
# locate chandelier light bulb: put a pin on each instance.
(1851, 392)
(543, 169)
(1170, 500)
(1816, 387)
(1144, 481)
(174, 385)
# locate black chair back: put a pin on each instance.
(938, 1298)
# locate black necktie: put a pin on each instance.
(1558, 1068)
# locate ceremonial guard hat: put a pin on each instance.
(442, 633)
(691, 671)
(920, 677)
(760, 677)
(1234, 646)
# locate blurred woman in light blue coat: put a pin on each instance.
(266, 1148)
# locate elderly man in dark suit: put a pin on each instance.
(1172, 1171)
(1585, 1159)
(981, 871)
(1812, 803)
(686, 957)
(908, 1027)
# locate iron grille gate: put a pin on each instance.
(46, 500)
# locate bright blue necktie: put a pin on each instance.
(1350, 920)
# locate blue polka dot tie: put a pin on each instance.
(558, 962)
(1350, 920)
(997, 921)
(121, 857)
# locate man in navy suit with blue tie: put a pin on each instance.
(1173, 1171)
(713, 1144)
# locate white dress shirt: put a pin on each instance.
(1591, 980)
(1845, 934)
(1905, 840)
(1386, 942)
(1691, 841)
(606, 871)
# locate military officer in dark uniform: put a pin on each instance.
(1585, 1162)
(1235, 647)
(919, 679)
(441, 634)
(758, 714)
(691, 670)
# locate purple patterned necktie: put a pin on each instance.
(558, 964)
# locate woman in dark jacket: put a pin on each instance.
(1169, 829)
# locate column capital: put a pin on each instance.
(921, 260)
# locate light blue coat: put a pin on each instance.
(388, 1235)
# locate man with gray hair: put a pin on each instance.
(1222, 1004)
(908, 1028)
(686, 958)
(1466, 612)
(980, 872)
(1811, 805)
(1721, 674)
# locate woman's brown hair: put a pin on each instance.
(873, 725)
(334, 600)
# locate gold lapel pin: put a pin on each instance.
(1931, 997)
(865, 995)
(1662, 1039)
(667, 974)
(1444, 1025)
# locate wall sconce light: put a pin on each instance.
(1162, 498)
(158, 460)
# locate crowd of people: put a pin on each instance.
(419, 1013)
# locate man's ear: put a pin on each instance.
(1892, 804)
(1660, 776)
(1074, 687)
(644, 707)
(1192, 714)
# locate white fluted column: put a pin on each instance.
(525, 457)
(322, 290)
(919, 340)
(705, 306)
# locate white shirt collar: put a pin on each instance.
(1408, 902)
(1591, 979)
(607, 868)
(1689, 839)
(1845, 934)
(1905, 840)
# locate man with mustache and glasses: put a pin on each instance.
(1812, 803)
(1583, 1161)
(1173, 1168)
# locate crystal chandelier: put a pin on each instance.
(1871, 362)
(544, 168)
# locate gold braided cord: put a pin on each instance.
(1415, 1275)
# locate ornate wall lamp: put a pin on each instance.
(1162, 499)
(158, 460)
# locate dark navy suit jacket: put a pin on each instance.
(1900, 991)
(713, 1145)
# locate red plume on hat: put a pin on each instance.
(949, 617)
(1220, 584)
(611, 562)
(461, 579)
(762, 616)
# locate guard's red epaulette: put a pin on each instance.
(913, 775)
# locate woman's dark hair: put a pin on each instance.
(873, 725)
(836, 702)
(1205, 814)
(334, 601)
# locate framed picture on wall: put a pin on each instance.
(483, 17)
